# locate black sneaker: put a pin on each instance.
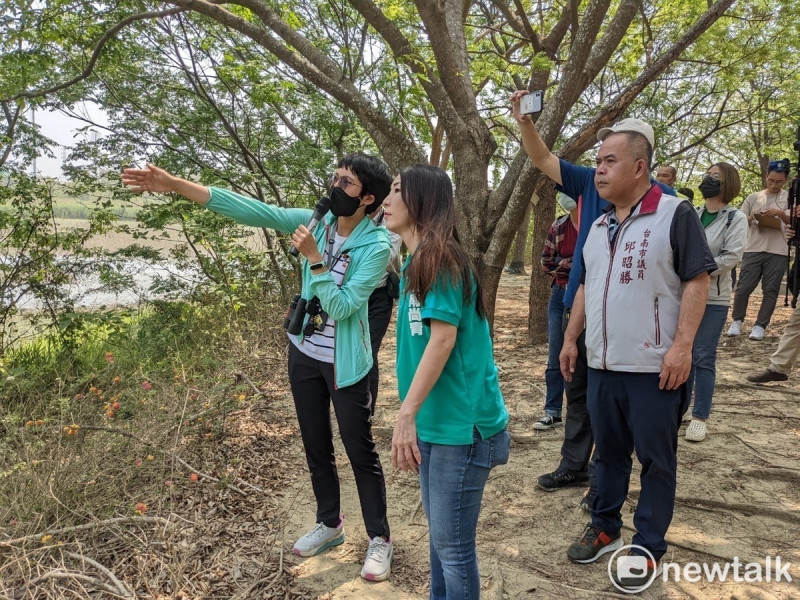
(593, 544)
(766, 376)
(587, 502)
(547, 422)
(561, 478)
(634, 571)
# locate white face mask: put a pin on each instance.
(566, 202)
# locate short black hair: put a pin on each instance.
(688, 192)
(640, 148)
(375, 177)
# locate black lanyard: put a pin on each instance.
(332, 259)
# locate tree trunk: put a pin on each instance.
(517, 265)
(539, 295)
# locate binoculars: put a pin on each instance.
(298, 309)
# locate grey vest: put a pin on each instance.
(633, 294)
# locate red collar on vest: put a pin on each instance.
(646, 205)
(649, 204)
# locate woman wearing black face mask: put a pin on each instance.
(330, 357)
(726, 233)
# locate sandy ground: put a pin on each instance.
(737, 491)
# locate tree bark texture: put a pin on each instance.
(517, 264)
(539, 294)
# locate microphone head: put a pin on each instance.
(323, 206)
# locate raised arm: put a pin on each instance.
(537, 150)
(156, 180)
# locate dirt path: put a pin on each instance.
(738, 490)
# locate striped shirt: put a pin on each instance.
(319, 345)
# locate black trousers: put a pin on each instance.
(578, 440)
(380, 313)
(313, 388)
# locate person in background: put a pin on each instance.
(556, 263)
(381, 303)
(451, 427)
(785, 355)
(726, 233)
(667, 175)
(764, 259)
(687, 193)
(329, 359)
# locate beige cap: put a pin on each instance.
(631, 125)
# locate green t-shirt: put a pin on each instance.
(467, 394)
(707, 218)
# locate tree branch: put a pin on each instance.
(96, 53)
(614, 109)
(314, 67)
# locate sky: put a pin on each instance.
(64, 131)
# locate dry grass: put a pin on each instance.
(167, 498)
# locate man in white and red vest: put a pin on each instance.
(643, 293)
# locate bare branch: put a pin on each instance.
(85, 526)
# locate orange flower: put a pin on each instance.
(109, 357)
(194, 477)
(141, 508)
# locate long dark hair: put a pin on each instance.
(428, 195)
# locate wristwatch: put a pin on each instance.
(317, 266)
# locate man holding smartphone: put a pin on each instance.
(577, 182)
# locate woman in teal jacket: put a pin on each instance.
(452, 424)
(330, 357)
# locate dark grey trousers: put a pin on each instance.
(578, 440)
(769, 269)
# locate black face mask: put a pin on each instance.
(710, 187)
(342, 204)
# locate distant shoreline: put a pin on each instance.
(114, 241)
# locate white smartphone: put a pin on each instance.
(531, 103)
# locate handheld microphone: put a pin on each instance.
(320, 210)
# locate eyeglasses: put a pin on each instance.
(343, 182)
(775, 181)
(714, 176)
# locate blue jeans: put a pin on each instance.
(704, 359)
(451, 481)
(555, 339)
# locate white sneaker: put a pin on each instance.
(696, 432)
(757, 333)
(318, 539)
(735, 329)
(378, 563)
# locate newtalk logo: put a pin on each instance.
(623, 565)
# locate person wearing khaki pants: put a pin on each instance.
(782, 360)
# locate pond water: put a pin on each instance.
(88, 291)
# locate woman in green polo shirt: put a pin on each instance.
(451, 427)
